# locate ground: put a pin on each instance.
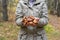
(55, 21)
(9, 29)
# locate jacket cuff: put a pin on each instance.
(19, 22)
(42, 22)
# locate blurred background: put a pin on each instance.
(9, 29)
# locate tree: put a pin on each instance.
(4, 11)
(58, 8)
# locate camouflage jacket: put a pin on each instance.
(39, 9)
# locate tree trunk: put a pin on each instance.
(58, 9)
(4, 11)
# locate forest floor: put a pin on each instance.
(9, 30)
(55, 21)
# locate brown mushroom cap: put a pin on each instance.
(29, 21)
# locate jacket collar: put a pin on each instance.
(37, 1)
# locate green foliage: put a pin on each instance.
(1, 24)
(2, 38)
(49, 28)
(52, 33)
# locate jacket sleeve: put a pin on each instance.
(44, 15)
(19, 14)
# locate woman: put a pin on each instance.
(37, 9)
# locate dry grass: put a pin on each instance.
(8, 30)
